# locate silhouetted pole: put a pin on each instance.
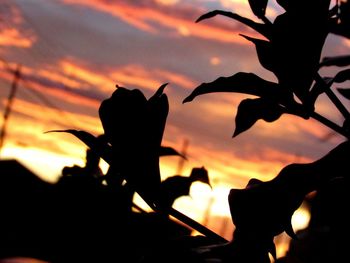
(17, 75)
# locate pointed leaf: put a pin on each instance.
(340, 61)
(342, 76)
(158, 109)
(168, 151)
(94, 143)
(345, 92)
(241, 82)
(159, 91)
(265, 53)
(263, 29)
(176, 186)
(200, 174)
(251, 110)
(258, 7)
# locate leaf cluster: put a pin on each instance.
(290, 48)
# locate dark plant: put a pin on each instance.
(176, 186)
(131, 145)
(291, 48)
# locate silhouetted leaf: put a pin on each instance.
(342, 76)
(104, 150)
(200, 174)
(296, 44)
(159, 92)
(96, 144)
(176, 186)
(166, 151)
(251, 110)
(340, 61)
(265, 53)
(263, 29)
(241, 82)
(158, 109)
(258, 7)
(345, 92)
(265, 209)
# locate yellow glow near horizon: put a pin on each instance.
(301, 218)
(47, 165)
(205, 205)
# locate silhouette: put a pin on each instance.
(263, 210)
(291, 49)
(81, 219)
(91, 173)
(176, 186)
(325, 238)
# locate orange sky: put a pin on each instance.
(73, 52)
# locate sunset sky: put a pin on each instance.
(73, 53)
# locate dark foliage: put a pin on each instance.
(89, 216)
(291, 49)
(176, 186)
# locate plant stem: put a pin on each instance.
(340, 106)
(188, 221)
(330, 124)
(197, 226)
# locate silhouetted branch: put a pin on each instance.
(197, 226)
(343, 110)
(330, 124)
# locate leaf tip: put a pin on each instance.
(246, 37)
(202, 17)
(51, 131)
(235, 134)
(187, 99)
(161, 89)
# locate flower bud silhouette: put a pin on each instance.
(134, 127)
